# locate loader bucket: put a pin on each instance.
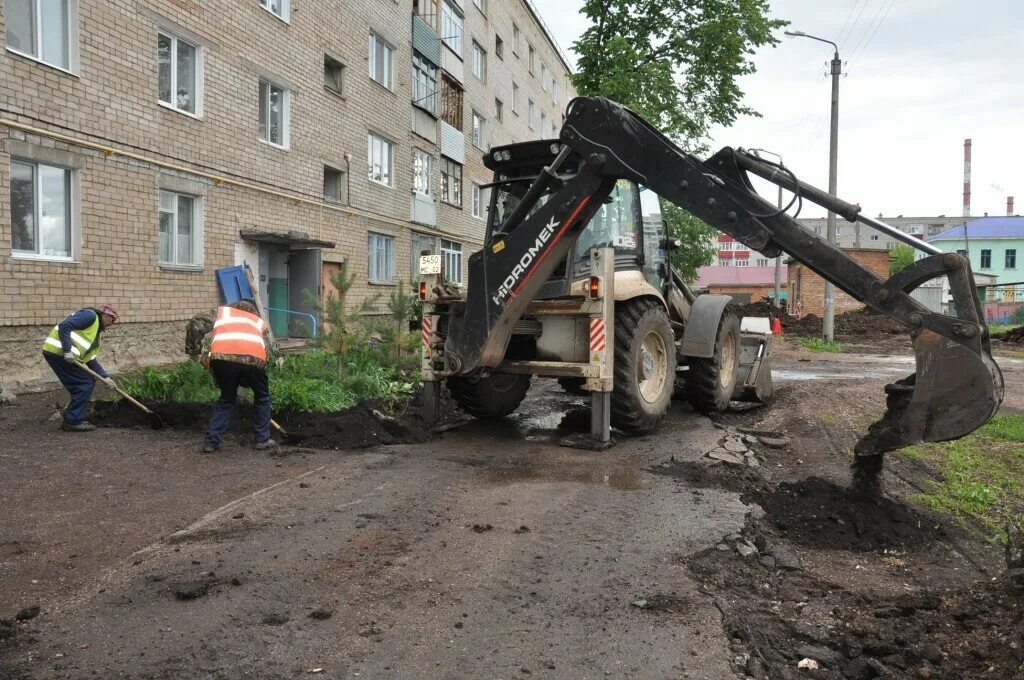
(955, 390)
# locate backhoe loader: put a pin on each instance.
(572, 283)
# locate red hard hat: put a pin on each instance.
(109, 310)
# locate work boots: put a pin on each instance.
(77, 427)
(263, 446)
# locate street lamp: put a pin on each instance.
(828, 320)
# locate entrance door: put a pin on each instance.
(303, 290)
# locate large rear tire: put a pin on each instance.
(710, 382)
(645, 366)
(495, 396)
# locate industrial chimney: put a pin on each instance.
(967, 178)
(1009, 206)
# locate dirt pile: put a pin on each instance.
(763, 308)
(369, 423)
(861, 324)
(1014, 335)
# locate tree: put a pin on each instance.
(675, 62)
(901, 256)
(696, 236)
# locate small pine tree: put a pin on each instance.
(342, 329)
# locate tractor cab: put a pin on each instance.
(629, 221)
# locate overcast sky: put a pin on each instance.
(922, 76)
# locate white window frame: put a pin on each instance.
(479, 203)
(375, 242)
(451, 259)
(742, 261)
(515, 40)
(725, 245)
(479, 62)
(70, 46)
(554, 91)
(479, 131)
(543, 122)
(543, 76)
(422, 172)
(286, 105)
(763, 262)
(515, 98)
(531, 112)
(425, 90)
(874, 237)
(450, 188)
(197, 231)
(499, 110)
(286, 9)
(389, 171)
(532, 57)
(387, 69)
(481, 5)
(453, 26)
(199, 70)
(74, 208)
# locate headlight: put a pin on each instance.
(555, 148)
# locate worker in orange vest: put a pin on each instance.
(236, 352)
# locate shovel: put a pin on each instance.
(155, 421)
(290, 438)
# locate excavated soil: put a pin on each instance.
(1014, 336)
(861, 324)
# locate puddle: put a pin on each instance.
(624, 479)
(785, 374)
(552, 424)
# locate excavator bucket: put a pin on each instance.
(954, 391)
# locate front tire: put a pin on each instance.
(711, 382)
(495, 396)
(645, 366)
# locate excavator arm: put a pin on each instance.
(957, 386)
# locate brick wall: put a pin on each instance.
(111, 100)
(808, 289)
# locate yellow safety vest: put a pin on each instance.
(85, 344)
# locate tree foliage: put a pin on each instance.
(675, 62)
(901, 256)
(696, 236)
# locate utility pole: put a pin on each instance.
(778, 265)
(828, 318)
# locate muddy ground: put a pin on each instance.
(491, 552)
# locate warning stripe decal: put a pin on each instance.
(426, 333)
(597, 335)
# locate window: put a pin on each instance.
(543, 76)
(451, 261)
(422, 162)
(874, 237)
(531, 112)
(554, 91)
(278, 7)
(42, 29)
(424, 83)
(382, 259)
(334, 75)
(381, 156)
(962, 253)
(986, 259)
(451, 26)
(40, 210)
(479, 62)
(554, 130)
(515, 99)
(179, 236)
(543, 122)
(742, 261)
(451, 182)
(479, 131)
(333, 179)
(725, 245)
(479, 201)
(427, 9)
(178, 69)
(498, 110)
(499, 47)
(1011, 258)
(381, 54)
(533, 53)
(481, 5)
(725, 263)
(761, 262)
(515, 40)
(273, 114)
(451, 102)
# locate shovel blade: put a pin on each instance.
(954, 391)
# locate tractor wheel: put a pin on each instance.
(710, 382)
(495, 396)
(645, 366)
(574, 386)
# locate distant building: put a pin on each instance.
(744, 284)
(921, 227)
(807, 289)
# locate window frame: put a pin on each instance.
(531, 58)
(481, 5)
(340, 174)
(477, 203)
(286, 10)
(985, 254)
(200, 64)
(1009, 253)
(286, 105)
(543, 76)
(418, 156)
(447, 184)
(70, 39)
(455, 11)
(515, 39)
(72, 179)
(342, 69)
(451, 250)
(197, 235)
(423, 68)
(531, 112)
(515, 97)
(499, 110)
(479, 65)
(499, 47)
(390, 170)
(389, 264)
(453, 97)
(371, 61)
(479, 130)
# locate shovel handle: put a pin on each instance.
(114, 386)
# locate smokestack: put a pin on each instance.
(967, 178)
(1009, 206)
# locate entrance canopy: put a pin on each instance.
(293, 240)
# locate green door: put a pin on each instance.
(278, 292)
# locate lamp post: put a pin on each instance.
(828, 320)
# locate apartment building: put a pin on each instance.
(145, 144)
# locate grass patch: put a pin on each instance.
(299, 382)
(820, 345)
(982, 474)
(994, 328)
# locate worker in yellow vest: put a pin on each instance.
(237, 353)
(76, 340)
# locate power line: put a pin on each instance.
(871, 37)
(847, 22)
(853, 26)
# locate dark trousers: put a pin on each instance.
(229, 376)
(77, 382)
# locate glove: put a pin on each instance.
(70, 357)
(109, 382)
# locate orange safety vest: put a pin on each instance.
(238, 333)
